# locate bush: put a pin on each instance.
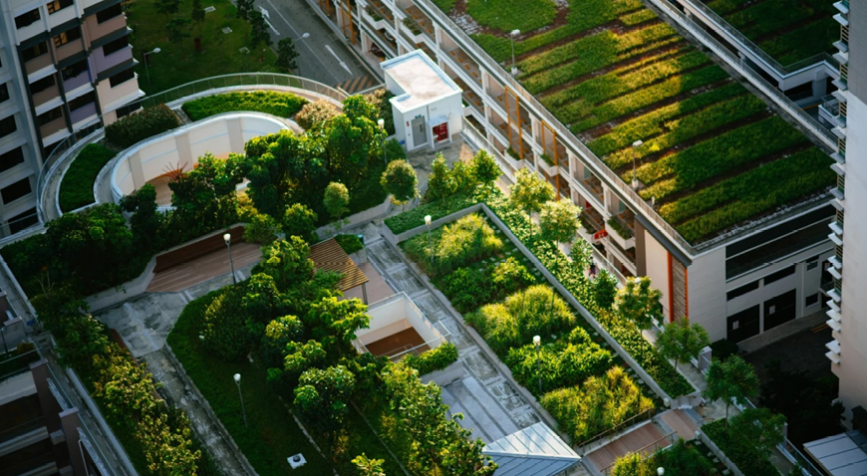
(678, 460)
(136, 127)
(468, 288)
(269, 102)
(223, 329)
(747, 457)
(349, 243)
(315, 113)
(433, 359)
(415, 218)
(599, 404)
(76, 190)
(465, 241)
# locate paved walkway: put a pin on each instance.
(205, 268)
(641, 439)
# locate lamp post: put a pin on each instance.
(144, 58)
(512, 36)
(237, 378)
(302, 38)
(537, 342)
(381, 124)
(228, 239)
(635, 145)
(660, 471)
(427, 220)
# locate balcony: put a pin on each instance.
(47, 99)
(70, 85)
(420, 25)
(833, 353)
(468, 68)
(842, 6)
(53, 131)
(69, 49)
(96, 30)
(622, 230)
(593, 185)
(83, 116)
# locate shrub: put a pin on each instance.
(269, 102)
(599, 404)
(262, 229)
(315, 113)
(746, 456)
(678, 460)
(349, 243)
(415, 218)
(76, 190)
(223, 330)
(433, 359)
(136, 127)
(465, 241)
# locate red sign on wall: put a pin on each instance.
(441, 132)
(600, 234)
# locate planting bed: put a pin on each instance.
(614, 73)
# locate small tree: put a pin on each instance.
(300, 221)
(178, 29)
(286, 55)
(638, 302)
(262, 229)
(485, 169)
(529, 192)
(259, 31)
(559, 221)
(322, 395)
(243, 9)
(733, 379)
(440, 182)
(198, 14)
(367, 466)
(168, 7)
(682, 341)
(315, 113)
(336, 200)
(761, 427)
(400, 181)
(604, 289)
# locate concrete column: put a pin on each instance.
(69, 419)
(820, 87)
(236, 135)
(185, 154)
(136, 170)
(47, 402)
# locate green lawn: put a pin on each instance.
(76, 189)
(524, 15)
(272, 435)
(179, 63)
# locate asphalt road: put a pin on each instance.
(325, 55)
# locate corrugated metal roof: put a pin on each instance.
(841, 455)
(329, 256)
(533, 451)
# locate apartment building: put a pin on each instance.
(847, 300)
(757, 276)
(66, 66)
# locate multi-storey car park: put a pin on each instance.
(684, 173)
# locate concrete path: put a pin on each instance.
(645, 439)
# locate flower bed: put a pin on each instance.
(270, 102)
(76, 189)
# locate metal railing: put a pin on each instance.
(629, 422)
(18, 364)
(652, 448)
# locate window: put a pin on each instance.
(109, 13)
(67, 36)
(7, 126)
(115, 45)
(742, 290)
(811, 300)
(124, 111)
(27, 19)
(4, 92)
(11, 159)
(78, 103)
(15, 191)
(42, 84)
(34, 51)
(779, 275)
(58, 5)
(121, 77)
(23, 221)
(73, 70)
(49, 116)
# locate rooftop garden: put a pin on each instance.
(788, 30)
(614, 73)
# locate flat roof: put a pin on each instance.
(329, 256)
(533, 451)
(841, 455)
(421, 80)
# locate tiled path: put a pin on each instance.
(629, 443)
(205, 267)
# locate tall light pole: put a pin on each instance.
(537, 342)
(144, 58)
(512, 36)
(427, 220)
(302, 38)
(635, 145)
(228, 239)
(381, 124)
(243, 410)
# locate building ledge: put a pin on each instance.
(836, 228)
(833, 357)
(56, 137)
(837, 241)
(835, 262)
(835, 273)
(834, 325)
(842, 19)
(835, 317)
(834, 295)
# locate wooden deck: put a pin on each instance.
(680, 422)
(204, 268)
(629, 443)
(396, 343)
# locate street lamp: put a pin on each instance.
(381, 124)
(635, 145)
(228, 239)
(302, 38)
(144, 58)
(512, 36)
(243, 410)
(427, 220)
(660, 471)
(537, 342)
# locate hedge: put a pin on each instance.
(436, 209)
(434, 359)
(270, 102)
(742, 453)
(76, 189)
(349, 243)
(136, 127)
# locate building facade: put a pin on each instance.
(847, 315)
(739, 285)
(65, 67)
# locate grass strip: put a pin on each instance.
(507, 15)
(270, 102)
(76, 189)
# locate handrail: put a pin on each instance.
(607, 470)
(616, 428)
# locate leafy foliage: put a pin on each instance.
(529, 191)
(415, 217)
(300, 221)
(741, 451)
(433, 359)
(137, 127)
(262, 229)
(270, 102)
(680, 459)
(559, 221)
(315, 114)
(468, 287)
(400, 181)
(76, 189)
(349, 243)
(506, 15)
(467, 240)
(336, 199)
(681, 341)
(287, 54)
(731, 380)
(636, 301)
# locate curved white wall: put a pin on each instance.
(220, 135)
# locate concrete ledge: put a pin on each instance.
(719, 454)
(127, 290)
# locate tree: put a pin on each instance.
(682, 341)
(205, 198)
(604, 289)
(638, 302)
(529, 191)
(440, 183)
(322, 396)
(367, 466)
(338, 318)
(315, 113)
(336, 199)
(243, 9)
(262, 229)
(400, 181)
(146, 222)
(559, 221)
(168, 7)
(260, 35)
(300, 221)
(733, 379)
(278, 334)
(178, 28)
(485, 168)
(198, 13)
(286, 55)
(287, 261)
(761, 427)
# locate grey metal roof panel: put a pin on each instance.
(529, 466)
(534, 451)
